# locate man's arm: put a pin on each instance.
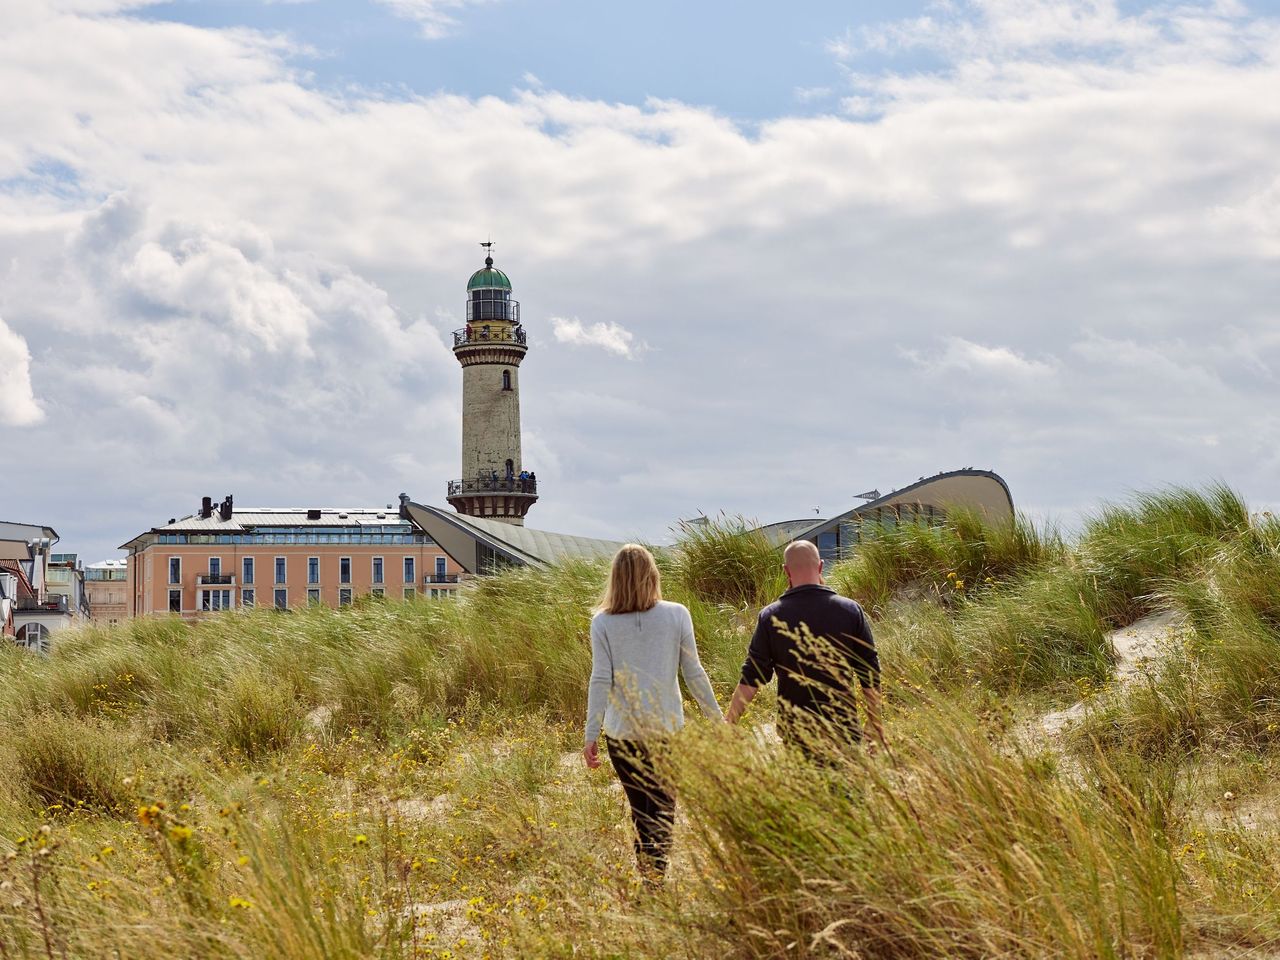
(869, 674)
(743, 695)
(756, 671)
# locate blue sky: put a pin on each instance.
(1037, 236)
(745, 59)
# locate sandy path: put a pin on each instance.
(1137, 647)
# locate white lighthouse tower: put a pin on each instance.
(490, 348)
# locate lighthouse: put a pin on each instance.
(490, 349)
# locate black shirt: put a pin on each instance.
(803, 683)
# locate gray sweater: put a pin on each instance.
(636, 660)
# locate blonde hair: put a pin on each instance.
(634, 582)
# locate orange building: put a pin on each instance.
(222, 558)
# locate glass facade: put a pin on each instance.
(365, 535)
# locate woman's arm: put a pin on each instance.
(695, 677)
(599, 685)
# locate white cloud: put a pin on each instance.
(434, 17)
(959, 354)
(18, 406)
(241, 281)
(608, 336)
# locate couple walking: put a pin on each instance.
(641, 645)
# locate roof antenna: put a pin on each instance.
(488, 250)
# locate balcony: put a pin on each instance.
(53, 604)
(215, 580)
(482, 311)
(483, 334)
(486, 485)
(440, 578)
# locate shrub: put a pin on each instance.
(73, 762)
(728, 562)
(931, 559)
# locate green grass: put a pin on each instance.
(400, 780)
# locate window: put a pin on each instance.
(409, 593)
(441, 569)
(280, 571)
(377, 570)
(175, 601)
(379, 592)
(282, 600)
(175, 569)
(827, 546)
(313, 569)
(246, 598)
(215, 566)
(313, 595)
(344, 570)
(215, 600)
(344, 596)
(506, 379)
(408, 570)
(34, 636)
(247, 570)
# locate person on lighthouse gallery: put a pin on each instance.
(640, 647)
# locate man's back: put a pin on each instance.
(806, 682)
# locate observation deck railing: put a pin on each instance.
(483, 485)
(483, 334)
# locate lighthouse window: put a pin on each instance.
(506, 379)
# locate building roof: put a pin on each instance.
(816, 526)
(784, 531)
(10, 530)
(523, 545)
(489, 278)
(108, 565)
(252, 518)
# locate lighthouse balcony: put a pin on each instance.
(505, 486)
(482, 333)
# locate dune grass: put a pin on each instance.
(400, 779)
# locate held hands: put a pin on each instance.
(591, 754)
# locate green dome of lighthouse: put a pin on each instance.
(489, 278)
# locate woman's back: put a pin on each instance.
(637, 658)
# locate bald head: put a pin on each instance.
(802, 563)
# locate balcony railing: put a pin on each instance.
(54, 604)
(215, 580)
(526, 487)
(440, 578)
(483, 333)
(482, 311)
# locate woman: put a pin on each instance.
(640, 644)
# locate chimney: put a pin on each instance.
(404, 506)
(224, 512)
(313, 514)
(206, 508)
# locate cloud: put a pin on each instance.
(18, 407)
(1029, 252)
(608, 336)
(964, 356)
(435, 18)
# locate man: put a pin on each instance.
(810, 687)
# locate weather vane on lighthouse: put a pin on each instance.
(488, 251)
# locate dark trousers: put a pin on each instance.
(653, 806)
